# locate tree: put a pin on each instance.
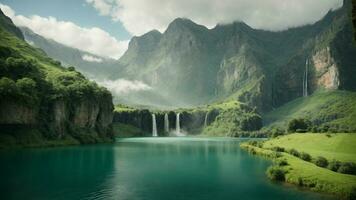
(298, 124)
(27, 85)
(321, 161)
(7, 87)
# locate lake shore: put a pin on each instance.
(304, 172)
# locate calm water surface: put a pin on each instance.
(142, 168)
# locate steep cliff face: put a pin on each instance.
(221, 119)
(17, 113)
(326, 70)
(264, 69)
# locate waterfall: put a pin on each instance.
(305, 80)
(166, 123)
(177, 124)
(206, 120)
(154, 126)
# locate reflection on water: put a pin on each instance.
(141, 168)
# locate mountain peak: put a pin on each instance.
(184, 24)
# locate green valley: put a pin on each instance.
(195, 107)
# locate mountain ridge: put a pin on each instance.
(198, 65)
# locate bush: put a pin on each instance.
(305, 156)
(321, 161)
(334, 165)
(352, 194)
(294, 152)
(302, 125)
(278, 149)
(347, 168)
(276, 132)
(282, 163)
(276, 173)
(8, 87)
(252, 143)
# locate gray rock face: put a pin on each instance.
(13, 113)
(265, 69)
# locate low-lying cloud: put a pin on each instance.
(90, 58)
(141, 16)
(122, 86)
(93, 40)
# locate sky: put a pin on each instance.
(104, 27)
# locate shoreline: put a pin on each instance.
(342, 186)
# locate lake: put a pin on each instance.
(142, 168)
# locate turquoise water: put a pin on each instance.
(142, 168)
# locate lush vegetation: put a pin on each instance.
(324, 111)
(31, 80)
(331, 146)
(126, 130)
(354, 17)
(312, 160)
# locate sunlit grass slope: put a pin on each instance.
(339, 146)
(335, 110)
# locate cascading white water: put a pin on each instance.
(166, 123)
(305, 80)
(206, 120)
(177, 124)
(154, 126)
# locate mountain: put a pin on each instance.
(44, 104)
(6, 24)
(89, 64)
(196, 65)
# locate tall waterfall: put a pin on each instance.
(166, 123)
(177, 124)
(305, 80)
(154, 126)
(206, 120)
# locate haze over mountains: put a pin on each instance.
(189, 64)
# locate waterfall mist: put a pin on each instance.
(154, 126)
(166, 123)
(305, 80)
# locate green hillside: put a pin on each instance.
(43, 103)
(333, 111)
(334, 146)
(320, 162)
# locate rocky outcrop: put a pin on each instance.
(61, 117)
(141, 119)
(326, 70)
(12, 113)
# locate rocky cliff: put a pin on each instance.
(42, 103)
(264, 69)
(220, 119)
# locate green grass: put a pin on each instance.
(307, 174)
(123, 108)
(334, 146)
(335, 109)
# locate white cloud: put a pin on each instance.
(123, 86)
(93, 40)
(141, 16)
(90, 58)
(103, 6)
